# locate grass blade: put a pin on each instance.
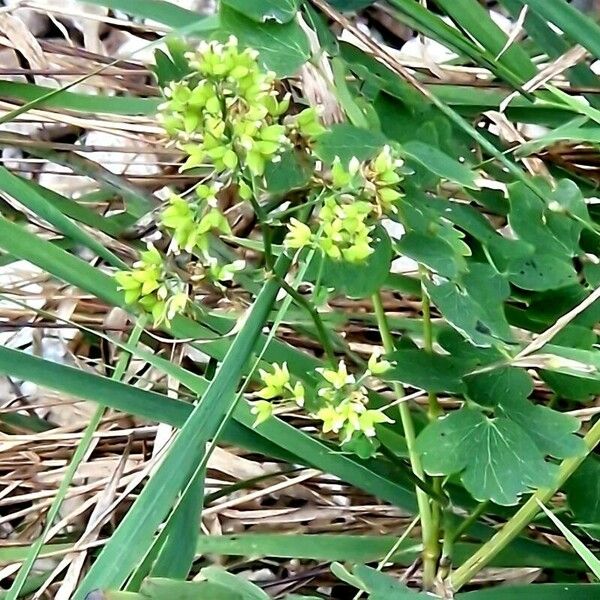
(19, 189)
(586, 554)
(575, 24)
(134, 534)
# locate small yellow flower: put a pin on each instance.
(376, 366)
(369, 419)
(263, 410)
(275, 382)
(338, 379)
(332, 420)
(297, 393)
(299, 235)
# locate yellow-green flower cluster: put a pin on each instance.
(228, 112)
(150, 286)
(277, 385)
(344, 231)
(344, 411)
(340, 403)
(357, 195)
(381, 181)
(191, 221)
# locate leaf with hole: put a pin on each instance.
(281, 11)
(440, 163)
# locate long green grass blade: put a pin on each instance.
(134, 534)
(550, 591)
(87, 103)
(162, 11)
(592, 561)
(19, 189)
(362, 549)
(577, 26)
(470, 16)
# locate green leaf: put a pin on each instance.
(246, 589)
(20, 190)
(496, 458)
(576, 25)
(474, 306)
(439, 163)
(490, 388)
(571, 387)
(541, 272)
(360, 280)
(281, 11)
(347, 141)
(176, 556)
(349, 5)
(169, 589)
(345, 96)
(432, 251)
(157, 10)
(283, 48)
(477, 22)
(583, 496)
(427, 371)
(287, 174)
(65, 100)
(383, 587)
(551, 232)
(172, 66)
(549, 591)
(553, 432)
(371, 548)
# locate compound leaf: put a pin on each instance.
(496, 458)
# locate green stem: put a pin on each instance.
(522, 517)
(434, 411)
(315, 316)
(470, 520)
(451, 536)
(266, 230)
(429, 559)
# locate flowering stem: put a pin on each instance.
(434, 412)
(261, 215)
(435, 409)
(316, 317)
(429, 558)
(522, 517)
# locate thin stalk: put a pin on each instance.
(315, 316)
(429, 560)
(267, 234)
(434, 411)
(451, 536)
(78, 456)
(522, 517)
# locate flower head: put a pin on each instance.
(275, 382)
